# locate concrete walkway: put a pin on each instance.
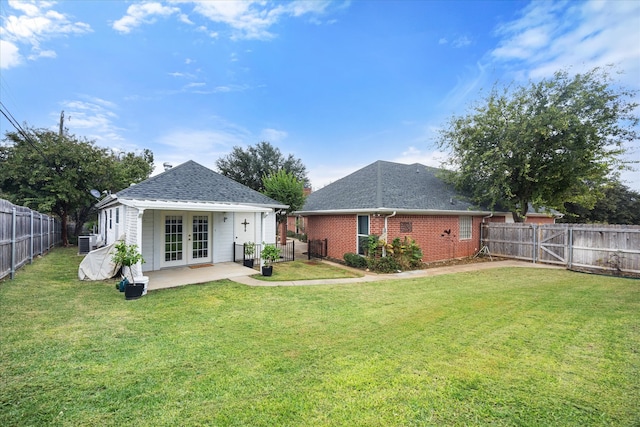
(373, 277)
(174, 277)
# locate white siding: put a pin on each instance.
(222, 237)
(269, 228)
(151, 237)
(148, 241)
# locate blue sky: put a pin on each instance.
(337, 84)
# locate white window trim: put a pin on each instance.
(461, 219)
(358, 235)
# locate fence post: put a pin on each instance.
(31, 235)
(12, 272)
(41, 236)
(570, 248)
(534, 251)
(293, 250)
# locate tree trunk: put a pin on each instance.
(520, 214)
(64, 221)
(283, 232)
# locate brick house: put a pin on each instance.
(396, 200)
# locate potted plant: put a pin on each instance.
(249, 251)
(269, 254)
(127, 256)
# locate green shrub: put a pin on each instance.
(384, 265)
(355, 260)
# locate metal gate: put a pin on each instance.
(317, 248)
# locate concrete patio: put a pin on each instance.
(180, 276)
(173, 277)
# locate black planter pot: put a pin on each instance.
(248, 263)
(267, 271)
(133, 290)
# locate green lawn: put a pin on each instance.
(527, 347)
(308, 270)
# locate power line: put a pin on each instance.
(12, 120)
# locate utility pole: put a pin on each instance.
(61, 123)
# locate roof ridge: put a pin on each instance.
(379, 185)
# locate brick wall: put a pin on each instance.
(437, 235)
(339, 230)
(428, 232)
(540, 220)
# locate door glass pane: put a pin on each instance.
(200, 237)
(173, 238)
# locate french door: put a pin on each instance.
(186, 239)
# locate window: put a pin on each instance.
(117, 215)
(465, 227)
(363, 233)
(110, 219)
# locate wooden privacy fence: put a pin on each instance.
(611, 248)
(24, 234)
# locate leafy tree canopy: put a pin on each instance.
(284, 187)
(287, 189)
(620, 205)
(544, 144)
(54, 173)
(249, 166)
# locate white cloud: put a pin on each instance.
(247, 19)
(94, 118)
(414, 155)
(204, 144)
(42, 54)
(273, 135)
(10, 55)
(323, 175)
(36, 25)
(577, 35)
(466, 87)
(252, 19)
(145, 13)
(461, 41)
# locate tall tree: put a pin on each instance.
(54, 173)
(287, 189)
(545, 144)
(619, 205)
(116, 171)
(249, 166)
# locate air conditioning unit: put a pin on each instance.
(93, 241)
(84, 245)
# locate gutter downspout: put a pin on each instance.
(386, 235)
(482, 245)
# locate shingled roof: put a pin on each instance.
(387, 186)
(192, 182)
